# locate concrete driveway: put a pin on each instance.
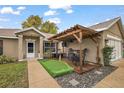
(115, 79)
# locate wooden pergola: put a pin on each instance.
(79, 33)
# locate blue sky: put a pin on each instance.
(64, 16)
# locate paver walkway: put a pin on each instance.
(115, 79)
(38, 77)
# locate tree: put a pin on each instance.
(37, 22)
(49, 27)
(32, 20)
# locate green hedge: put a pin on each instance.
(107, 53)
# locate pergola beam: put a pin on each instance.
(68, 34)
(78, 38)
(71, 33)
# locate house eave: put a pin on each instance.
(9, 37)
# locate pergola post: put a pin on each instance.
(79, 39)
(81, 58)
(98, 58)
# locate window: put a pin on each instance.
(1, 47)
(49, 47)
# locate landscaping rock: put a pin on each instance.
(86, 80)
(73, 82)
(98, 72)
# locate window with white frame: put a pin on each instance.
(48, 46)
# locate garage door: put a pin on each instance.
(116, 44)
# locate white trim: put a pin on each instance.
(9, 37)
(110, 36)
(101, 29)
(31, 28)
(113, 22)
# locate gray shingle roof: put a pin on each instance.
(104, 25)
(8, 32)
(11, 33)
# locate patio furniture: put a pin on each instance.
(57, 55)
(74, 56)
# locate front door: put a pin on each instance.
(30, 49)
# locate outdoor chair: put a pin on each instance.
(75, 57)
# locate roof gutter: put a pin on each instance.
(9, 37)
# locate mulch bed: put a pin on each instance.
(85, 80)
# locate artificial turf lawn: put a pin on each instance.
(13, 75)
(56, 68)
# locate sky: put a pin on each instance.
(65, 16)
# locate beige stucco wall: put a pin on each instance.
(10, 47)
(114, 31)
(86, 43)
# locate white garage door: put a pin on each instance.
(116, 44)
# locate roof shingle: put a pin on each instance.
(11, 33)
(104, 25)
(8, 32)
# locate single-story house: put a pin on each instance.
(109, 32)
(31, 43)
(25, 43)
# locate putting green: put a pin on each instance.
(55, 67)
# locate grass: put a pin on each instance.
(13, 75)
(56, 68)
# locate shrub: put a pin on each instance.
(48, 53)
(107, 52)
(4, 59)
